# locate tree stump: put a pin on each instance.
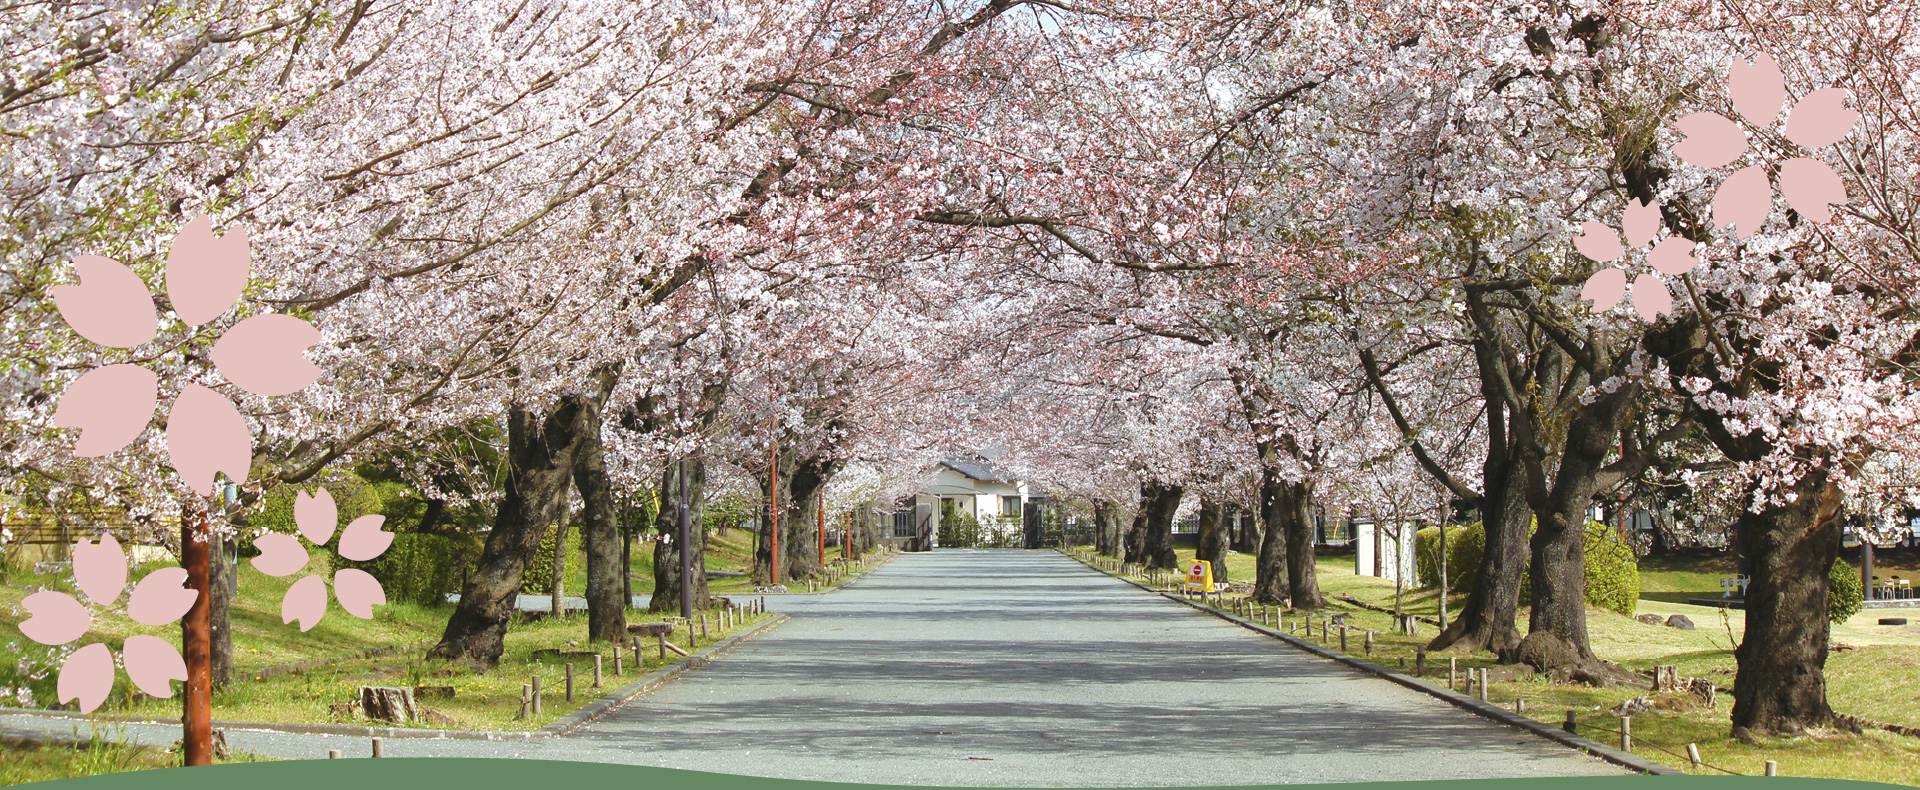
(1702, 690)
(387, 703)
(1666, 678)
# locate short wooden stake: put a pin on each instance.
(379, 749)
(536, 695)
(526, 701)
(1773, 768)
(663, 647)
(596, 671)
(1520, 705)
(1369, 646)
(333, 754)
(1572, 727)
(1693, 754)
(1483, 684)
(1343, 639)
(616, 666)
(569, 682)
(1626, 733)
(1453, 672)
(1420, 662)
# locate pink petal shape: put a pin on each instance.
(363, 539)
(110, 306)
(1821, 118)
(316, 515)
(151, 663)
(87, 676)
(1605, 288)
(57, 618)
(1650, 297)
(1640, 221)
(1712, 141)
(205, 273)
(262, 354)
(111, 406)
(161, 597)
(1809, 185)
(1673, 257)
(305, 601)
(280, 555)
(1758, 90)
(100, 570)
(205, 434)
(358, 592)
(1598, 242)
(1743, 201)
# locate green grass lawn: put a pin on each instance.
(101, 751)
(1878, 679)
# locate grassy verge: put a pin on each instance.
(97, 752)
(1875, 681)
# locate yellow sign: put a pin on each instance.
(1200, 576)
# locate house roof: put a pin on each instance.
(984, 471)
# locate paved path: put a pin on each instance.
(1016, 668)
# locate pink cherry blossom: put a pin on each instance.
(282, 555)
(100, 571)
(1673, 256)
(1817, 120)
(112, 405)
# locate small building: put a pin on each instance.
(968, 486)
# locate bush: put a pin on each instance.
(421, 569)
(959, 530)
(1845, 596)
(1426, 558)
(538, 579)
(1612, 567)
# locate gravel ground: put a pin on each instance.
(1008, 668)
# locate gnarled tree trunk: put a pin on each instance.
(1296, 512)
(1212, 540)
(1781, 686)
(541, 450)
(1157, 546)
(1270, 569)
(600, 531)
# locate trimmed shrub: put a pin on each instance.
(538, 579)
(1426, 558)
(1845, 596)
(421, 569)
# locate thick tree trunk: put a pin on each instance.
(1270, 569)
(800, 526)
(221, 578)
(1781, 686)
(1157, 548)
(1105, 529)
(600, 531)
(1297, 511)
(666, 552)
(1486, 620)
(541, 448)
(1135, 547)
(1212, 545)
(1243, 529)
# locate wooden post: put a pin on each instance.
(378, 749)
(526, 701)
(1453, 672)
(1520, 705)
(1572, 727)
(1343, 639)
(333, 754)
(1693, 754)
(1420, 662)
(536, 694)
(663, 647)
(690, 643)
(569, 682)
(1626, 733)
(1773, 768)
(1369, 646)
(616, 666)
(1483, 684)
(596, 671)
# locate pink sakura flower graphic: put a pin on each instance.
(100, 571)
(113, 405)
(281, 555)
(1673, 256)
(1817, 120)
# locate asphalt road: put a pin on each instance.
(1014, 668)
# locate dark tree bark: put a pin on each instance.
(1212, 545)
(221, 579)
(800, 526)
(1297, 511)
(1244, 530)
(541, 449)
(777, 492)
(1780, 687)
(1135, 545)
(600, 530)
(666, 551)
(1270, 570)
(1106, 529)
(1157, 548)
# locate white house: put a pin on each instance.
(968, 485)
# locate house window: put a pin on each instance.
(1009, 506)
(903, 524)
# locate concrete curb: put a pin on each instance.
(586, 714)
(1483, 709)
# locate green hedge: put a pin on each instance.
(421, 569)
(1845, 597)
(538, 579)
(1612, 567)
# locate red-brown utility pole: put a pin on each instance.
(196, 636)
